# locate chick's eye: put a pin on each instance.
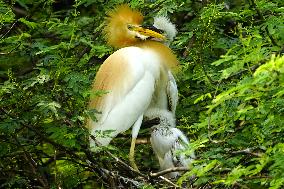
(129, 26)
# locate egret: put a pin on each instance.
(137, 77)
(169, 142)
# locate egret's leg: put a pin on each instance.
(135, 130)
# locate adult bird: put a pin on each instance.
(136, 78)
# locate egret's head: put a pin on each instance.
(125, 27)
(146, 32)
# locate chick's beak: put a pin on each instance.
(149, 31)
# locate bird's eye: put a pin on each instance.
(130, 27)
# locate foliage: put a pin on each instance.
(231, 88)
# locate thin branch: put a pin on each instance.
(174, 169)
(126, 180)
(85, 51)
(142, 141)
(189, 46)
(119, 160)
(260, 177)
(169, 182)
(20, 11)
(247, 151)
(5, 53)
(9, 30)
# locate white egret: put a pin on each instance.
(137, 77)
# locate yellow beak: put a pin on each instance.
(148, 32)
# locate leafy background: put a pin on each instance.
(231, 87)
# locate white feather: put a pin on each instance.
(123, 108)
(166, 117)
(168, 144)
(163, 23)
(172, 92)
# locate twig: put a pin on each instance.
(247, 151)
(119, 160)
(20, 11)
(188, 47)
(126, 180)
(142, 141)
(85, 51)
(259, 177)
(6, 53)
(213, 82)
(168, 181)
(8, 30)
(55, 169)
(174, 169)
(108, 175)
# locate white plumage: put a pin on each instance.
(168, 143)
(125, 107)
(139, 83)
(164, 23)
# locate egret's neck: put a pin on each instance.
(164, 52)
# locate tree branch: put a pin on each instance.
(174, 169)
(169, 182)
(247, 151)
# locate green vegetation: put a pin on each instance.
(231, 88)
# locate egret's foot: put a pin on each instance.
(131, 155)
(133, 164)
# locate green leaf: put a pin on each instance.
(47, 107)
(30, 24)
(224, 59)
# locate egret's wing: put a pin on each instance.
(172, 92)
(130, 85)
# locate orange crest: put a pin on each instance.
(116, 31)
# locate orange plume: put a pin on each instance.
(116, 31)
